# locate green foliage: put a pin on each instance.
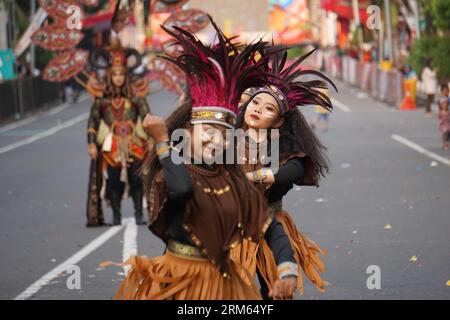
(436, 14)
(433, 47)
(441, 14)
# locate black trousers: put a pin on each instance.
(116, 186)
(430, 100)
(115, 189)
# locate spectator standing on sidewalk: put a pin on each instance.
(444, 117)
(429, 79)
(322, 114)
(409, 73)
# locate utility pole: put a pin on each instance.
(387, 15)
(357, 20)
(415, 9)
(32, 47)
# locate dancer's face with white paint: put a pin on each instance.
(207, 140)
(263, 112)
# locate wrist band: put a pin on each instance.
(162, 150)
(259, 175)
(287, 269)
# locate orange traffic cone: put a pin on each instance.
(409, 102)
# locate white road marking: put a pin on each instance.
(18, 124)
(73, 260)
(44, 134)
(129, 240)
(420, 149)
(340, 105)
(31, 119)
(58, 109)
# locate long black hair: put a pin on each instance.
(296, 136)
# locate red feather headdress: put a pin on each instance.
(218, 74)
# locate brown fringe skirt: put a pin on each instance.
(176, 277)
(306, 254)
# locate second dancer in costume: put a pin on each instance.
(302, 160)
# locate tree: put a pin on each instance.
(435, 43)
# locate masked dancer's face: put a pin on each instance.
(118, 77)
(262, 112)
(207, 141)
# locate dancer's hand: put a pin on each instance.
(93, 151)
(284, 288)
(156, 128)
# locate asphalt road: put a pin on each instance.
(377, 181)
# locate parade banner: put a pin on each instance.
(170, 76)
(58, 9)
(159, 6)
(192, 20)
(57, 37)
(66, 65)
(171, 48)
(89, 3)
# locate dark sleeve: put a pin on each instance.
(178, 181)
(93, 122)
(278, 241)
(143, 107)
(291, 172)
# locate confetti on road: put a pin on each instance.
(433, 164)
(355, 231)
(448, 283)
(413, 258)
(321, 200)
(345, 165)
(53, 260)
(388, 226)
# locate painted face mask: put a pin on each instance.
(262, 112)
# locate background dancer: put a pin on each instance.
(115, 133)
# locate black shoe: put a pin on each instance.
(139, 220)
